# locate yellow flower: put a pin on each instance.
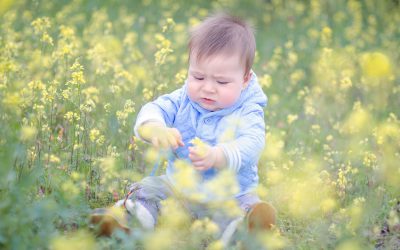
(223, 186)
(159, 240)
(147, 94)
(327, 205)
(345, 83)
(349, 245)
(12, 100)
(94, 134)
(181, 75)
(205, 226)
(297, 76)
(69, 116)
(201, 147)
(28, 133)
(152, 154)
(376, 64)
(77, 77)
(173, 214)
(5, 5)
(211, 227)
(274, 176)
(41, 24)
(272, 240)
(46, 38)
(108, 165)
(76, 240)
(291, 118)
(169, 25)
(107, 107)
(70, 189)
(54, 159)
(66, 32)
(370, 159)
(326, 36)
(161, 55)
(265, 81)
(274, 152)
(216, 245)
(77, 74)
(358, 121)
(292, 58)
(75, 176)
(185, 176)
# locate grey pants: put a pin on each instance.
(153, 189)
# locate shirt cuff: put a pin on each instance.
(232, 155)
(147, 116)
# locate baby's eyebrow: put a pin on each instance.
(219, 76)
(225, 77)
(195, 72)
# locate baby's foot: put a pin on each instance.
(107, 220)
(262, 216)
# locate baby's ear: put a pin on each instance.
(247, 78)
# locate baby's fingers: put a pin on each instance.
(193, 152)
(172, 141)
(198, 163)
(193, 157)
(178, 136)
(165, 141)
(160, 141)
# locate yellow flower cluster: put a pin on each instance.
(71, 82)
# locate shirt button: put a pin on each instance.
(207, 121)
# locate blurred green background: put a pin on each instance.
(74, 74)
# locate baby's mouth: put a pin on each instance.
(207, 100)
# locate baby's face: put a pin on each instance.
(216, 82)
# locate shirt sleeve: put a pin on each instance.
(162, 110)
(246, 149)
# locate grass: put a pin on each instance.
(74, 74)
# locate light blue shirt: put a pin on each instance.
(239, 129)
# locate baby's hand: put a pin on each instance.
(202, 155)
(161, 136)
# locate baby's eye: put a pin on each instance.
(222, 82)
(199, 78)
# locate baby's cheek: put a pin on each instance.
(230, 98)
(192, 90)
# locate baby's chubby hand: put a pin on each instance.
(160, 135)
(202, 155)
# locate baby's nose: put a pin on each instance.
(208, 86)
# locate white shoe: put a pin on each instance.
(230, 231)
(142, 214)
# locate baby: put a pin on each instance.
(220, 96)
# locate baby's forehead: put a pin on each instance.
(207, 54)
(196, 57)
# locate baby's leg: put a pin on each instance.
(142, 202)
(144, 199)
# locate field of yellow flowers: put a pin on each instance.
(74, 74)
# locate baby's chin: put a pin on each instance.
(209, 108)
(213, 108)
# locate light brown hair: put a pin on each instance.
(223, 33)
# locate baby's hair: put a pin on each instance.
(223, 33)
